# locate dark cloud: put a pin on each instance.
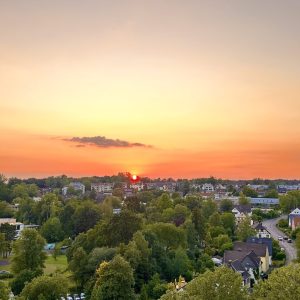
(103, 142)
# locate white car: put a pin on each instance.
(280, 238)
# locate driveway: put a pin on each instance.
(290, 249)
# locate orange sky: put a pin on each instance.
(212, 86)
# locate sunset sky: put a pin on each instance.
(162, 88)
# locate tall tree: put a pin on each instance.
(28, 252)
(115, 281)
(282, 283)
(245, 230)
(222, 284)
(46, 288)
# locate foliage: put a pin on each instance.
(226, 205)
(4, 292)
(46, 288)
(52, 230)
(282, 284)
(245, 230)
(5, 210)
(114, 280)
(28, 252)
(289, 201)
(223, 284)
(249, 192)
(22, 279)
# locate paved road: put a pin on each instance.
(290, 250)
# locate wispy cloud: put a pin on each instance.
(103, 142)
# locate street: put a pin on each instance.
(290, 249)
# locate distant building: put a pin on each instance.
(207, 187)
(261, 231)
(18, 225)
(294, 219)
(137, 186)
(284, 188)
(261, 250)
(246, 263)
(77, 186)
(258, 187)
(264, 201)
(102, 187)
(266, 241)
(241, 212)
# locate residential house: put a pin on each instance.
(247, 263)
(261, 231)
(241, 212)
(261, 250)
(294, 219)
(208, 187)
(266, 241)
(102, 187)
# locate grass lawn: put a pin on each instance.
(52, 265)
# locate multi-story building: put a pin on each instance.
(77, 186)
(102, 187)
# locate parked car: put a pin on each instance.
(285, 238)
(280, 238)
(289, 240)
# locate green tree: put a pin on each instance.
(28, 252)
(168, 235)
(245, 230)
(249, 192)
(164, 201)
(114, 281)
(271, 194)
(52, 230)
(209, 207)
(289, 201)
(120, 228)
(5, 210)
(46, 288)
(86, 216)
(282, 283)
(243, 200)
(24, 277)
(222, 284)
(200, 223)
(228, 222)
(4, 292)
(226, 205)
(298, 245)
(78, 266)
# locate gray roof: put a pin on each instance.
(259, 249)
(245, 208)
(266, 241)
(273, 201)
(241, 260)
(260, 226)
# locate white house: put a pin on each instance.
(207, 187)
(261, 231)
(241, 212)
